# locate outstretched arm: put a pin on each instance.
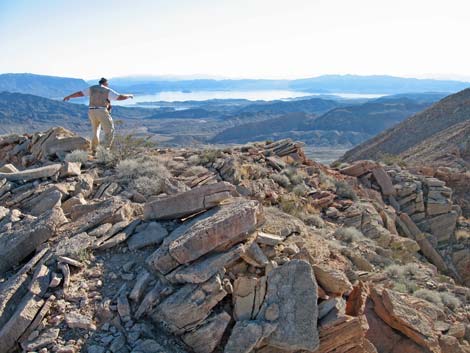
(123, 97)
(74, 95)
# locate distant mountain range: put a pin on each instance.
(55, 87)
(344, 125)
(39, 85)
(22, 113)
(438, 135)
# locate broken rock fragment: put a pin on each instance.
(25, 236)
(189, 202)
(293, 288)
(190, 305)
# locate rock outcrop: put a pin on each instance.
(256, 250)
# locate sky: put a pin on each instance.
(236, 38)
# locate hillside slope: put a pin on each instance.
(20, 113)
(370, 117)
(40, 85)
(450, 111)
(448, 148)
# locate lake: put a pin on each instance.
(267, 95)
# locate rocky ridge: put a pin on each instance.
(251, 249)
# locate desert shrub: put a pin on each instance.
(395, 272)
(195, 170)
(291, 204)
(300, 190)
(258, 171)
(148, 186)
(429, 295)
(391, 159)
(314, 220)
(326, 182)
(282, 180)
(449, 300)
(405, 286)
(128, 145)
(411, 270)
(146, 175)
(194, 160)
(344, 190)
(348, 234)
(77, 156)
(209, 156)
(105, 156)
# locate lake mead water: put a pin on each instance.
(266, 95)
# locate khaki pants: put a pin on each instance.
(101, 118)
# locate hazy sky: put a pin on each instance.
(236, 38)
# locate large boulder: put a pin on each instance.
(57, 141)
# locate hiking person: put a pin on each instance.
(99, 110)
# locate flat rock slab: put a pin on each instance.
(222, 226)
(203, 270)
(291, 300)
(190, 305)
(189, 202)
(384, 181)
(359, 168)
(26, 236)
(331, 280)
(232, 223)
(19, 322)
(397, 312)
(206, 339)
(246, 335)
(33, 173)
(153, 234)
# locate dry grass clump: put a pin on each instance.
(195, 170)
(429, 295)
(395, 272)
(281, 179)
(449, 300)
(348, 234)
(145, 175)
(314, 220)
(391, 159)
(77, 156)
(344, 190)
(194, 160)
(441, 299)
(300, 190)
(105, 156)
(209, 156)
